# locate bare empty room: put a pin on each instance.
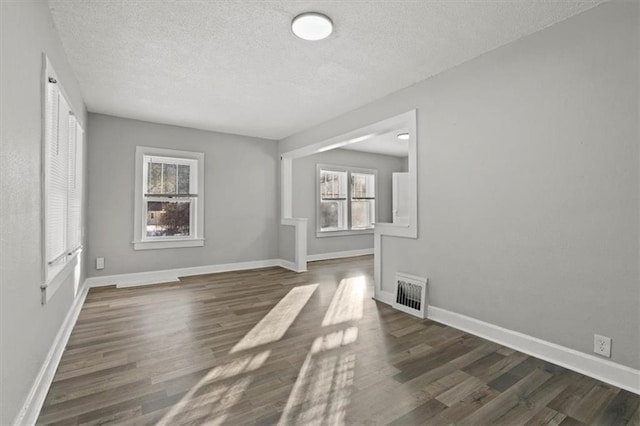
(289, 212)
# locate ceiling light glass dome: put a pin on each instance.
(312, 26)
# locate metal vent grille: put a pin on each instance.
(411, 295)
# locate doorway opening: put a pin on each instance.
(342, 194)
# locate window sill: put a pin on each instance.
(323, 234)
(154, 245)
(58, 274)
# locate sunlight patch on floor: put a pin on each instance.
(347, 303)
(322, 390)
(276, 323)
(215, 402)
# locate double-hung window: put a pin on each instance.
(169, 198)
(346, 200)
(63, 145)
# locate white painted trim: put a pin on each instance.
(286, 186)
(406, 120)
(339, 254)
(300, 239)
(30, 410)
(355, 136)
(590, 365)
(53, 275)
(288, 265)
(169, 243)
(345, 233)
(394, 230)
(386, 297)
(139, 212)
(377, 266)
(301, 245)
(348, 171)
(60, 277)
(172, 275)
(32, 406)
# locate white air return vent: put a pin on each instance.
(411, 295)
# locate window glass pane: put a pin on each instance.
(169, 178)
(183, 179)
(168, 218)
(154, 178)
(332, 215)
(362, 214)
(363, 185)
(333, 184)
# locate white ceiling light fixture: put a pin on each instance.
(403, 136)
(312, 26)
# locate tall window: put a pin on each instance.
(363, 200)
(63, 145)
(169, 204)
(347, 200)
(333, 200)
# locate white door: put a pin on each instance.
(400, 185)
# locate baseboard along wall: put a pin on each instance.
(339, 254)
(170, 275)
(607, 371)
(28, 414)
(590, 365)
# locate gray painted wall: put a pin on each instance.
(27, 328)
(528, 183)
(405, 164)
(241, 196)
(305, 192)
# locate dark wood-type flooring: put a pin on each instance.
(268, 346)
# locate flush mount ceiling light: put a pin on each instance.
(312, 26)
(403, 136)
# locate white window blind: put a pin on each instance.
(74, 219)
(56, 175)
(63, 146)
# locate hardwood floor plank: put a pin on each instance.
(418, 415)
(163, 354)
(529, 406)
(460, 391)
(620, 409)
(508, 399)
(546, 416)
(468, 405)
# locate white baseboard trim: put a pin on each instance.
(607, 371)
(386, 297)
(32, 406)
(171, 275)
(289, 265)
(28, 414)
(339, 254)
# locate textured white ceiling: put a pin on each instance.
(234, 66)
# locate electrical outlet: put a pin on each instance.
(99, 262)
(602, 345)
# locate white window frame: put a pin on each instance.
(349, 231)
(56, 268)
(196, 160)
